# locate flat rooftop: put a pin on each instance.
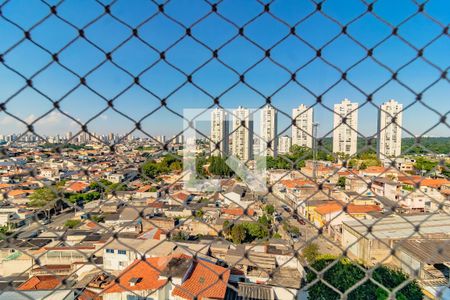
(401, 227)
(430, 251)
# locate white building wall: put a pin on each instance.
(390, 133)
(219, 132)
(268, 132)
(284, 144)
(242, 136)
(303, 131)
(345, 135)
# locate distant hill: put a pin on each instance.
(437, 145)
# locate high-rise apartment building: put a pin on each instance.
(303, 130)
(345, 138)
(161, 139)
(242, 134)
(219, 132)
(269, 140)
(284, 144)
(389, 129)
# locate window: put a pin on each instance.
(122, 251)
(109, 250)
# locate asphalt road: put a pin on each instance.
(309, 233)
(56, 221)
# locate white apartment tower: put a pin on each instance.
(219, 132)
(161, 139)
(389, 129)
(345, 138)
(285, 144)
(269, 131)
(242, 134)
(303, 131)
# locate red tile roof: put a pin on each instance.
(375, 169)
(207, 280)
(89, 295)
(351, 208)
(78, 186)
(144, 188)
(237, 211)
(181, 196)
(44, 282)
(293, 183)
(148, 270)
(434, 183)
(429, 182)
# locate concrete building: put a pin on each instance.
(161, 139)
(219, 132)
(284, 144)
(302, 132)
(269, 139)
(376, 245)
(430, 260)
(345, 136)
(242, 134)
(390, 119)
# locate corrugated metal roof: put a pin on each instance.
(255, 291)
(396, 227)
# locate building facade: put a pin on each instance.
(219, 132)
(269, 140)
(284, 144)
(302, 132)
(242, 134)
(345, 136)
(390, 120)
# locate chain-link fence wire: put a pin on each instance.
(114, 149)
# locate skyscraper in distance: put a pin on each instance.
(269, 139)
(345, 137)
(219, 132)
(390, 118)
(303, 129)
(242, 134)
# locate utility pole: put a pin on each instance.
(314, 150)
(314, 145)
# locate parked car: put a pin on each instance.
(45, 221)
(286, 208)
(295, 238)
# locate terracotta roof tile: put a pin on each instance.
(44, 282)
(206, 281)
(148, 271)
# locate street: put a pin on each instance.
(309, 233)
(56, 221)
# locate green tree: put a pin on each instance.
(199, 213)
(226, 227)
(72, 223)
(180, 236)
(255, 231)
(42, 196)
(311, 252)
(341, 182)
(269, 209)
(345, 274)
(425, 164)
(238, 234)
(100, 185)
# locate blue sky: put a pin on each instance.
(162, 79)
